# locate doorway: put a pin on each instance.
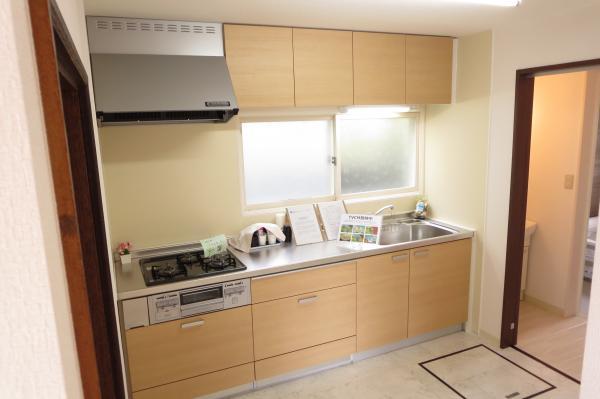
(559, 196)
(73, 161)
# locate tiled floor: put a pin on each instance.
(557, 340)
(399, 375)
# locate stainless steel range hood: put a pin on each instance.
(156, 71)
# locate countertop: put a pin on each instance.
(269, 260)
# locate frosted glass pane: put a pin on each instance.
(287, 160)
(377, 154)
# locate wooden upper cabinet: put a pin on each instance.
(261, 64)
(323, 67)
(428, 70)
(379, 68)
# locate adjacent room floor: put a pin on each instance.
(556, 340)
(475, 373)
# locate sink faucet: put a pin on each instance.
(390, 207)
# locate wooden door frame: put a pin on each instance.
(518, 193)
(71, 145)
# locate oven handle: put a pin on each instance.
(192, 324)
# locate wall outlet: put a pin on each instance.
(569, 181)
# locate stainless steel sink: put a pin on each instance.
(411, 230)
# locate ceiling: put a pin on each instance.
(435, 17)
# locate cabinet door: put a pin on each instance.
(261, 64)
(323, 67)
(302, 321)
(439, 286)
(379, 68)
(382, 300)
(189, 347)
(428, 70)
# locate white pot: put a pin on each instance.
(126, 263)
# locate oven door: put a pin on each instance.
(201, 300)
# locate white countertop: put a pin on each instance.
(274, 260)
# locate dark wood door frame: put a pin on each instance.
(73, 161)
(518, 193)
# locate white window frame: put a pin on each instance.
(250, 209)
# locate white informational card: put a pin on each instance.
(331, 215)
(305, 225)
(360, 229)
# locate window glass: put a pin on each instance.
(377, 153)
(287, 160)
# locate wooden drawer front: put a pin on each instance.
(322, 67)
(261, 63)
(302, 281)
(304, 358)
(428, 70)
(290, 324)
(202, 385)
(379, 68)
(172, 351)
(439, 286)
(382, 300)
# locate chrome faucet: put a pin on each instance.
(390, 207)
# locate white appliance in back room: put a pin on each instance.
(530, 228)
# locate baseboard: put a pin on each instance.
(544, 305)
(489, 337)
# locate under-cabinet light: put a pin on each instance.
(374, 111)
(499, 3)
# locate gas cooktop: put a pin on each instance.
(189, 265)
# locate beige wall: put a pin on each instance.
(180, 183)
(456, 150)
(556, 150)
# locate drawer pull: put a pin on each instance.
(421, 253)
(308, 299)
(399, 258)
(193, 324)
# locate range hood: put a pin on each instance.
(156, 71)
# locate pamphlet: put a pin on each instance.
(360, 229)
(305, 225)
(331, 215)
(214, 245)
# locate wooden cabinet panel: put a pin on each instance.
(302, 281)
(179, 349)
(304, 358)
(202, 385)
(382, 300)
(428, 70)
(261, 64)
(289, 324)
(379, 68)
(438, 286)
(323, 67)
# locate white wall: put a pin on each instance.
(456, 138)
(543, 32)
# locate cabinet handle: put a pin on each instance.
(399, 258)
(308, 299)
(197, 323)
(421, 253)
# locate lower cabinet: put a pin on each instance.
(301, 321)
(202, 385)
(439, 286)
(382, 300)
(181, 349)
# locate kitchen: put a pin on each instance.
(262, 318)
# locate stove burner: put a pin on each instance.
(219, 262)
(166, 272)
(188, 258)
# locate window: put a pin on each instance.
(287, 161)
(338, 157)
